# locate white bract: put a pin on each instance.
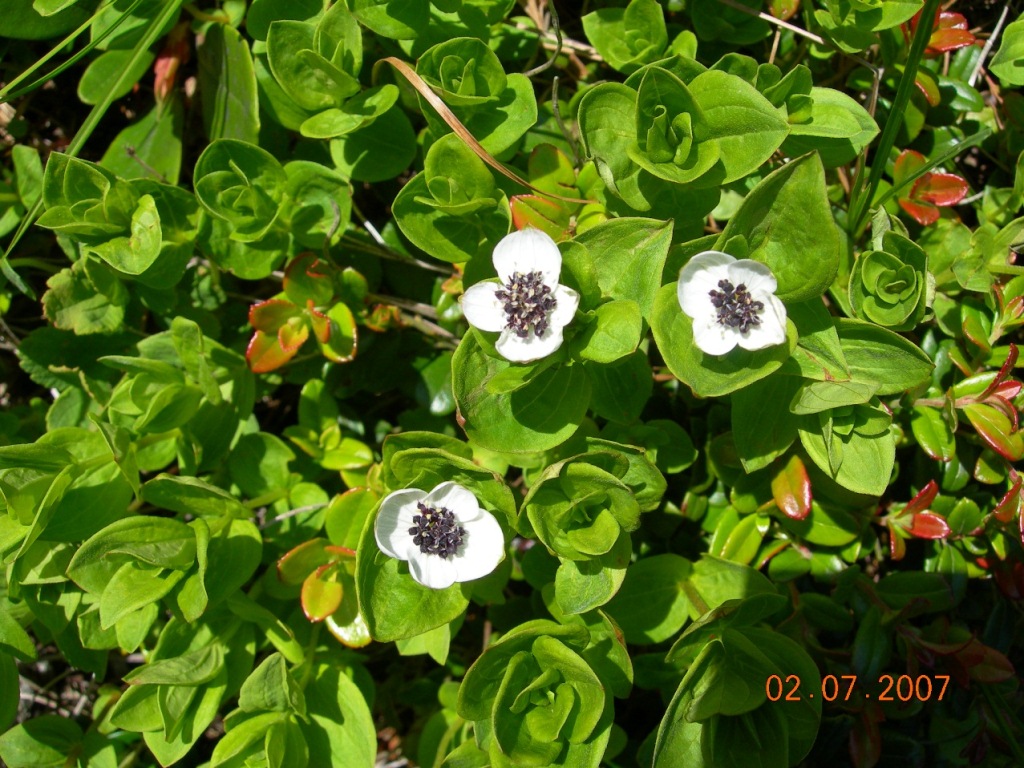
(528, 307)
(444, 535)
(731, 302)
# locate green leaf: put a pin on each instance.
(378, 151)
(613, 333)
(787, 223)
(272, 688)
(879, 356)
(190, 669)
(190, 495)
(133, 587)
(133, 255)
(838, 128)
(156, 541)
(87, 298)
(340, 727)
(227, 86)
(105, 68)
(651, 606)
(582, 585)
(628, 37)
(747, 128)
(14, 640)
(241, 184)
(151, 145)
(42, 742)
(540, 415)
(628, 256)
(1008, 63)
(762, 435)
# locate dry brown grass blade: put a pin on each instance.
(463, 133)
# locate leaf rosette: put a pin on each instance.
(535, 701)
(580, 507)
(890, 286)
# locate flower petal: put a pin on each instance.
(433, 571)
(566, 303)
(756, 276)
(483, 547)
(455, 498)
(530, 348)
(482, 308)
(713, 338)
(525, 251)
(771, 331)
(698, 277)
(394, 519)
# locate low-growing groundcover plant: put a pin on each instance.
(465, 383)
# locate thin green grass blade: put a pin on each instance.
(171, 10)
(862, 196)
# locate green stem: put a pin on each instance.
(860, 199)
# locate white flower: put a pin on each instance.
(528, 307)
(731, 302)
(444, 535)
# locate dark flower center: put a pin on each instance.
(528, 304)
(435, 531)
(736, 307)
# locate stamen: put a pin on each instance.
(736, 307)
(528, 304)
(435, 532)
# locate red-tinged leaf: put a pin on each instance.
(908, 163)
(1005, 369)
(1006, 408)
(269, 315)
(548, 216)
(1012, 504)
(321, 595)
(783, 9)
(922, 501)
(989, 665)
(1008, 390)
(976, 333)
(950, 32)
(928, 525)
(293, 334)
(306, 279)
(944, 40)
(165, 69)
(297, 563)
(264, 353)
(791, 489)
(1009, 579)
(383, 317)
(340, 345)
(923, 213)
(943, 649)
(321, 324)
(897, 546)
(929, 86)
(943, 189)
(550, 170)
(866, 738)
(997, 430)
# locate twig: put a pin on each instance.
(988, 45)
(797, 31)
(292, 513)
(553, 13)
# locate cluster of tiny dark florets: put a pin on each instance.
(736, 307)
(528, 303)
(435, 531)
